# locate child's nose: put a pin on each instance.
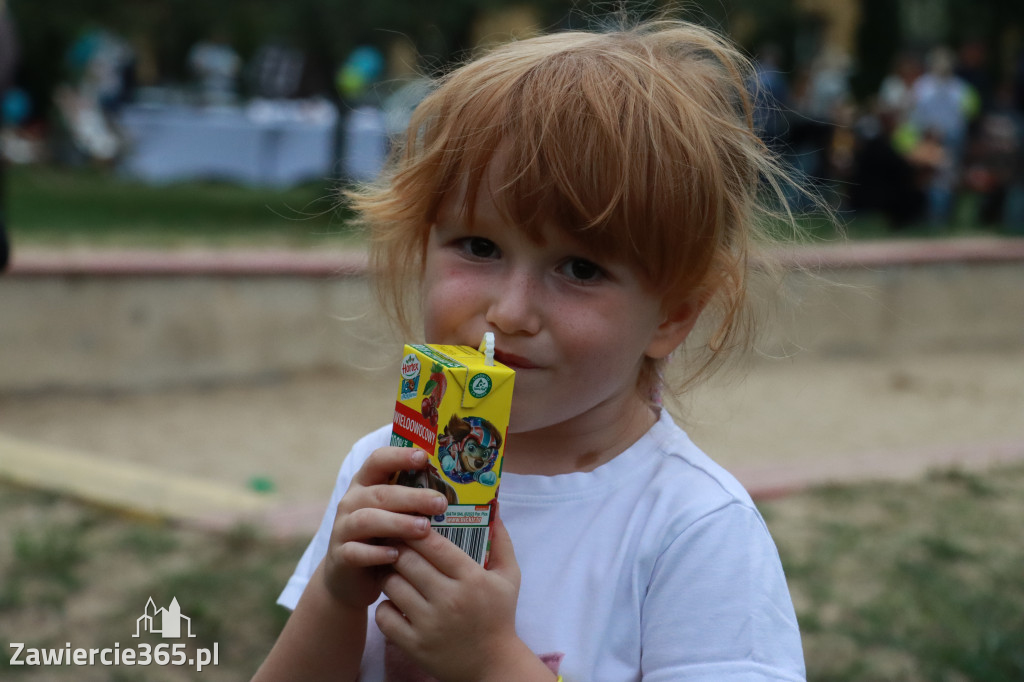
(514, 307)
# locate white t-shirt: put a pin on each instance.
(654, 566)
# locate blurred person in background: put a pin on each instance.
(101, 67)
(886, 177)
(972, 67)
(217, 67)
(8, 60)
(884, 180)
(895, 94)
(943, 105)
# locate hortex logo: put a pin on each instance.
(410, 366)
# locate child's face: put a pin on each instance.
(574, 327)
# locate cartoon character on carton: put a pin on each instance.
(468, 449)
(428, 478)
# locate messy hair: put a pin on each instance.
(639, 142)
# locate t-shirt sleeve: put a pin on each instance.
(718, 607)
(317, 548)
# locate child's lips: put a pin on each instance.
(514, 361)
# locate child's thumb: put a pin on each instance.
(502, 558)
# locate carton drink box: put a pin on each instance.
(454, 403)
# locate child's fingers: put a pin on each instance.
(443, 554)
(363, 555)
(384, 462)
(393, 498)
(392, 624)
(420, 571)
(404, 595)
(503, 557)
(368, 522)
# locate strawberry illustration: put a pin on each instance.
(441, 387)
(437, 384)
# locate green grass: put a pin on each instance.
(73, 573)
(908, 581)
(60, 206)
(54, 206)
(917, 581)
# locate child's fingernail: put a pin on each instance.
(419, 457)
(392, 554)
(440, 504)
(423, 523)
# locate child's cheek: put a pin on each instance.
(451, 297)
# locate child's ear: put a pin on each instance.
(677, 324)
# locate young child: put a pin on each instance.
(585, 197)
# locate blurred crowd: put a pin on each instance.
(939, 142)
(100, 78)
(84, 122)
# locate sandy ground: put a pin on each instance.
(780, 424)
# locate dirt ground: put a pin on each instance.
(780, 424)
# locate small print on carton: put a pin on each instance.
(454, 403)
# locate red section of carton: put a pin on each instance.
(412, 426)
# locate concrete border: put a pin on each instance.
(134, 488)
(94, 319)
(879, 253)
(150, 492)
(147, 491)
(33, 261)
(36, 262)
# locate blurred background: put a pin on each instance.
(188, 346)
(908, 111)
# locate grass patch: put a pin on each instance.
(914, 581)
(892, 581)
(60, 207)
(56, 206)
(73, 573)
(44, 566)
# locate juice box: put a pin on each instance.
(454, 403)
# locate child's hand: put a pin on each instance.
(370, 514)
(450, 616)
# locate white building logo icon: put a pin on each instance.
(164, 622)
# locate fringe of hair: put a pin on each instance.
(639, 141)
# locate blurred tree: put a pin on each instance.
(879, 39)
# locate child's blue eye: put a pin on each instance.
(480, 247)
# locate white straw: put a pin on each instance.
(487, 348)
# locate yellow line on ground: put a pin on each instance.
(125, 485)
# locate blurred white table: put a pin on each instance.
(263, 143)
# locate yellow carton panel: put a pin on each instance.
(455, 406)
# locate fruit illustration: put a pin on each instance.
(433, 392)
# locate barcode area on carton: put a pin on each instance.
(473, 541)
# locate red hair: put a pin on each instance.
(640, 142)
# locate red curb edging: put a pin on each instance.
(283, 262)
(212, 262)
(774, 482)
(883, 253)
(764, 484)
